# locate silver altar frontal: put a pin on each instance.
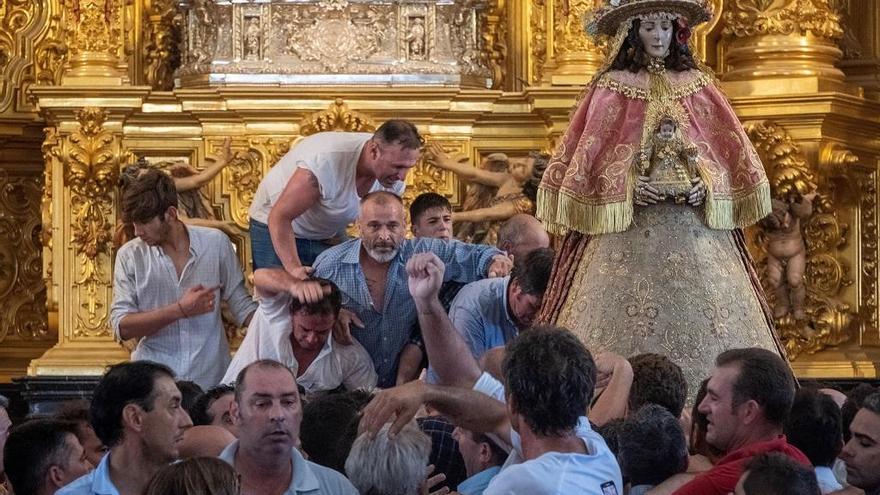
(333, 42)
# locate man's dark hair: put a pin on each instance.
(610, 432)
(763, 377)
(814, 426)
(200, 411)
(32, 448)
(530, 188)
(854, 400)
(533, 272)
(775, 473)
(121, 385)
(189, 392)
(872, 403)
(330, 304)
(657, 380)
(425, 202)
(330, 425)
(260, 363)
(550, 377)
(632, 55)
(399, 132)
(147, 197)
(498, 456)
(654, 426)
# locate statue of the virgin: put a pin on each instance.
(639, 270)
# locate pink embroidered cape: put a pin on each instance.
(588, 183)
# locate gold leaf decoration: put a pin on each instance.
(337, 117)
(162, 35)
(91, 157)
(745, 18)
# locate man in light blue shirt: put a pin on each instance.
(371, 274)
(482, 460)
(136, 411)
(268, 412)
(490, 313)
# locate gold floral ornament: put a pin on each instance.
(91, 156)
(744, 18)
(337, 117)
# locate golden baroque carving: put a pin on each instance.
(494, 34)
(15, 15)
(762, 17)
(538, 46)
(93, 25)
(828, 319)
(335, 33)
(91, 156)
(427, 178)
(867, 186)
(161, 43)
(569, 26)
(50, 151)
(51, 54)
(22, 291)
(245, 171)
(337, 117)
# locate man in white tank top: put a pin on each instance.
(306, 201)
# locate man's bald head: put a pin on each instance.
(522, 234)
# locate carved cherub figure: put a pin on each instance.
(669, 163)
(787, 254)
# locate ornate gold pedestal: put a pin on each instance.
(89, 86)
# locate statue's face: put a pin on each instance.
(656, 37)
(667, 129)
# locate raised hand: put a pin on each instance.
(197, 300)
(425, 275)
(644, 193)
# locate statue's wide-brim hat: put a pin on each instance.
(606, 20)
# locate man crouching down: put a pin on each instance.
(298, 334)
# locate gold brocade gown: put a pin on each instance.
(668, 285)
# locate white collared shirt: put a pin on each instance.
(268, 337)
(308, 477)
(144, 279)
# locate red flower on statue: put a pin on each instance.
(683, 34)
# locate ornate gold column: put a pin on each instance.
(94, 30)
(562, 53)
(781, 47)
(83, 159)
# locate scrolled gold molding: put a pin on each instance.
(745, 18)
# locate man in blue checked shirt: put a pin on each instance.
(371, 273)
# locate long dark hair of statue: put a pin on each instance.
(632, 56)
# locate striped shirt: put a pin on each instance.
(389, 326)
(145, 279)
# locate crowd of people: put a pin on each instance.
(396, 365)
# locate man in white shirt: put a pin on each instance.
(297, 335)
(268, 413)
(549, 378)
(307, 200)
(168, 284)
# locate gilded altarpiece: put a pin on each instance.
(91, 85)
